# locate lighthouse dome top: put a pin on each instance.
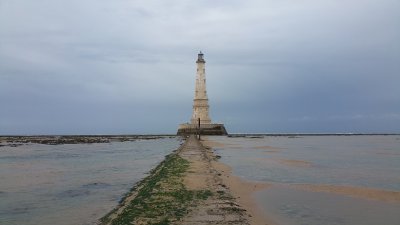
(200, 58)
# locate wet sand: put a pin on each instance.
(295, 163)
(292, 206)
(305, 200)
(205, 172)
(268, 148)
(358, 192)
(241, 189)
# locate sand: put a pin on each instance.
(242, 190)
(222, 207)
(358, 192)
(295, 163)
(268, 148)
(213, 144)
(216, 144)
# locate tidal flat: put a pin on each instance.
(340, 180)
(333, 180)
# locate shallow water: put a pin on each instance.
(72, 184)
(298, 207)
(359, 161)
(369, 161)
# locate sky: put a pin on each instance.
(128, 66)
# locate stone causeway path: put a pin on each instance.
(221, 207)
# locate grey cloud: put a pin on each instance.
(272, 66)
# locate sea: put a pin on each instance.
(296, 167)
(76, 184)
(72, 184)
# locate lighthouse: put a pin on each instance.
(200, 121)
(200, 101)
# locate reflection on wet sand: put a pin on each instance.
(271, 151)
(359, 192)
(285, 162)
(296, 163)
(341, 180)
(388, 153)
(268, 148)
(292, 206)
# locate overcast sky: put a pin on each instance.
(126, 66)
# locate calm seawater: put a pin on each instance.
(72, 184)
(359, 161)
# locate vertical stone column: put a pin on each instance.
(200, 101)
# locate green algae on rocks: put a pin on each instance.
(160, 198)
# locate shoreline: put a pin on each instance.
(17, 140)
(14, 141)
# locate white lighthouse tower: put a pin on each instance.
(200, 101)
(200, 121)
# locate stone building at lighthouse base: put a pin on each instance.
(205, 129)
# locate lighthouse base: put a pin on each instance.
(205, 129)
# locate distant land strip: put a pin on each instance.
(14, 141)
(305, 134)
(17, 140)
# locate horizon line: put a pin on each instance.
(229, 134)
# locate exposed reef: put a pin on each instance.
(14, 141)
